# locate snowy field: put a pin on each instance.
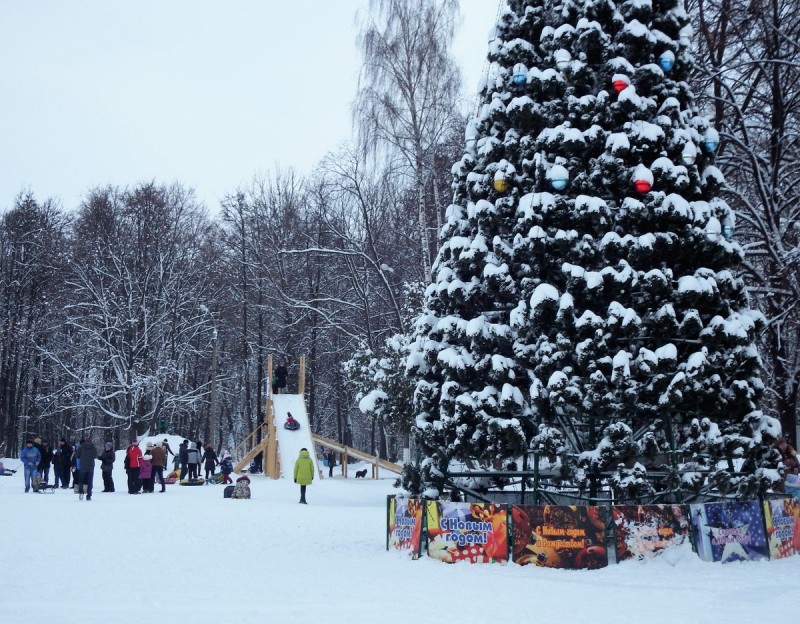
(189, 553)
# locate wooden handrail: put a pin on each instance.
(248, 448)
(348, 451)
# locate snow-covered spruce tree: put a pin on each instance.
(585, 287)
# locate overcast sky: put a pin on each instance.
(206, 93)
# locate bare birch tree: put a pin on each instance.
(750, 79)
(408, 90)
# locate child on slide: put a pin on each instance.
(291, 424)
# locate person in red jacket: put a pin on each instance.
(133, 461)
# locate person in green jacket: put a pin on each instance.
(303, 472)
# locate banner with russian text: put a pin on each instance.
(472, 532)
(729, 531)
(559, 536)
(645, 531)
(782, 516)
(404, 525)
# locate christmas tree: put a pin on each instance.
(585, 302)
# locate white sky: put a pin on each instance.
(204, 93)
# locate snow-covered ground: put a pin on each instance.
(190, 555)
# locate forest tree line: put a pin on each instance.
(115, 312)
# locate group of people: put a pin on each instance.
(69, 463)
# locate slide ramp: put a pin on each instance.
(290, 442)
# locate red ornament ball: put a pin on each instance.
(620, 85)
(642, 186)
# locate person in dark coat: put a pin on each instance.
(331, 462)
(87, 455)
(281, 377)
(61, 463)
(167, 451)
(210, 462)
(183, 455)
(107, 458)
(47, 459)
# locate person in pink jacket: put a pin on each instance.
(133, 464)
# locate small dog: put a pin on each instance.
(361, 474)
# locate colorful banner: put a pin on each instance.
(404, 525)
(730, 531)
(558, 536)
(645, 531)
(472, 532)
(782, 516)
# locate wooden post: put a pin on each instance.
(272, 465)
(301, 376)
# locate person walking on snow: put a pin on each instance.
(87, 454)
(30, 458)
(107, 458)
(303, 472)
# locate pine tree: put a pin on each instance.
(585, 300)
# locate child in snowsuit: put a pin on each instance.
(226, 465)
(146, 472)
(242, 489)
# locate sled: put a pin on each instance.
(46, 488)
(198, 481)
(6, 472)
(172, 477)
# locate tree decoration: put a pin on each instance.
(711, 140)
(713, 228)
(500, 182)
(642, 179)
(689, 154)
(728, 230)
(520, 75)
(558, 177)
(620, 82)
(563, 59)
(666, 61)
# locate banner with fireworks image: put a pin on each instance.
(559, 536)
(404, 525)
(471, 532)
(782, 516)
(730, 531)
(644, 531)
